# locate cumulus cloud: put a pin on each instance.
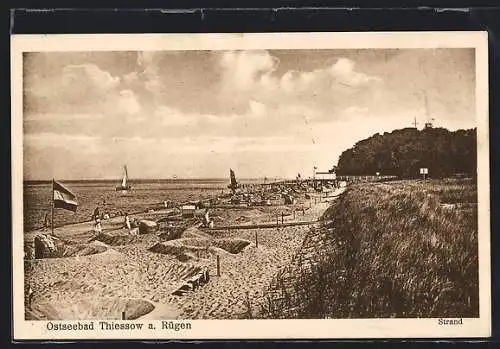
(248, 83)
(257, 108)
(127, 102)
(251, 77)
(149, 62)
(90, 74)
(131, 78)
(244, 69)
(326, 79)
(78, 90)
(255, 70)
(74, 83)
(343, 71)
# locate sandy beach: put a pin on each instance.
(136, 276)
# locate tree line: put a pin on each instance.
(403, 152)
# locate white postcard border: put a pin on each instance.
(257, 329)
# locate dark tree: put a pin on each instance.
(403, 152)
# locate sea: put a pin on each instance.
(144, 195)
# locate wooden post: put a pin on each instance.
(294, 214)
(282, 217)
(249, 306)
(123, 315)
(218, 265)
(256, 240)
(52, 208)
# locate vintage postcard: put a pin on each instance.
(250, 186)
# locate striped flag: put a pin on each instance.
(64, 198)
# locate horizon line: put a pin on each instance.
(152, 179)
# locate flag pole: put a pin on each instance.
(52, 208)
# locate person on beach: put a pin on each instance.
(98, 227)
(30, 296)
(127, 221)
(46, 223)
(96, 214)
(206, 218)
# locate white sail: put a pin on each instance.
(124, 187)
(124, 181)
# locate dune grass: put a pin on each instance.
(394, 250)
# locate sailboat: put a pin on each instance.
(234, 184)
(124, 185)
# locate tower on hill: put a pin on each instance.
(430, 121)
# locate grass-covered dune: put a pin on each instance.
(395, 249)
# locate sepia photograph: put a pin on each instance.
(338, 178)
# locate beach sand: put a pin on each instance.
(131, 278)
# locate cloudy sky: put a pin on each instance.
(196, 113)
